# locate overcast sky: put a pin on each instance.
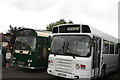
(36, 14)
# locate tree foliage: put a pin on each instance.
(12, 31)
(61, 21)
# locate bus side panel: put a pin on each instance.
(111, 61)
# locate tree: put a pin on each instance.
(12, 31)
(70, 22)
(61, 21)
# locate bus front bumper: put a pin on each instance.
(70, 76)
(27, 67)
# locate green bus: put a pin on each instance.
(31, 49)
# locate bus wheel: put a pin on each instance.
(103, 73)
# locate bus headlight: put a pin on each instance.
(50, 62)
(77, 66)
(29, 60)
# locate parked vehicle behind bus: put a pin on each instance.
(31, 48)
(82, 52)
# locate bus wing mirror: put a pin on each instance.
(50, 38)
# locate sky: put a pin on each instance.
(37, 14)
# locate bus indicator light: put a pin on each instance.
(50, 62)
(29, 60)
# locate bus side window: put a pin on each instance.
(105, 47)
(39, 40)
(39, 48)
(116, 49)
(111, 48)
(45, 43)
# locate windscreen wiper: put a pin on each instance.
(71, 54)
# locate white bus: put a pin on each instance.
(82, 52)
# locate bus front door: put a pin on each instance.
(43, 52)
(96, 56)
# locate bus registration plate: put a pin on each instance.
(20, 62)
(62, 74)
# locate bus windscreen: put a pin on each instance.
(25, 43)
(77, 45)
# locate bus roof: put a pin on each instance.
(43, 33)
(86, 28)
(28, 31)
(103, 35)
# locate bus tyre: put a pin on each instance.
(103, 73)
